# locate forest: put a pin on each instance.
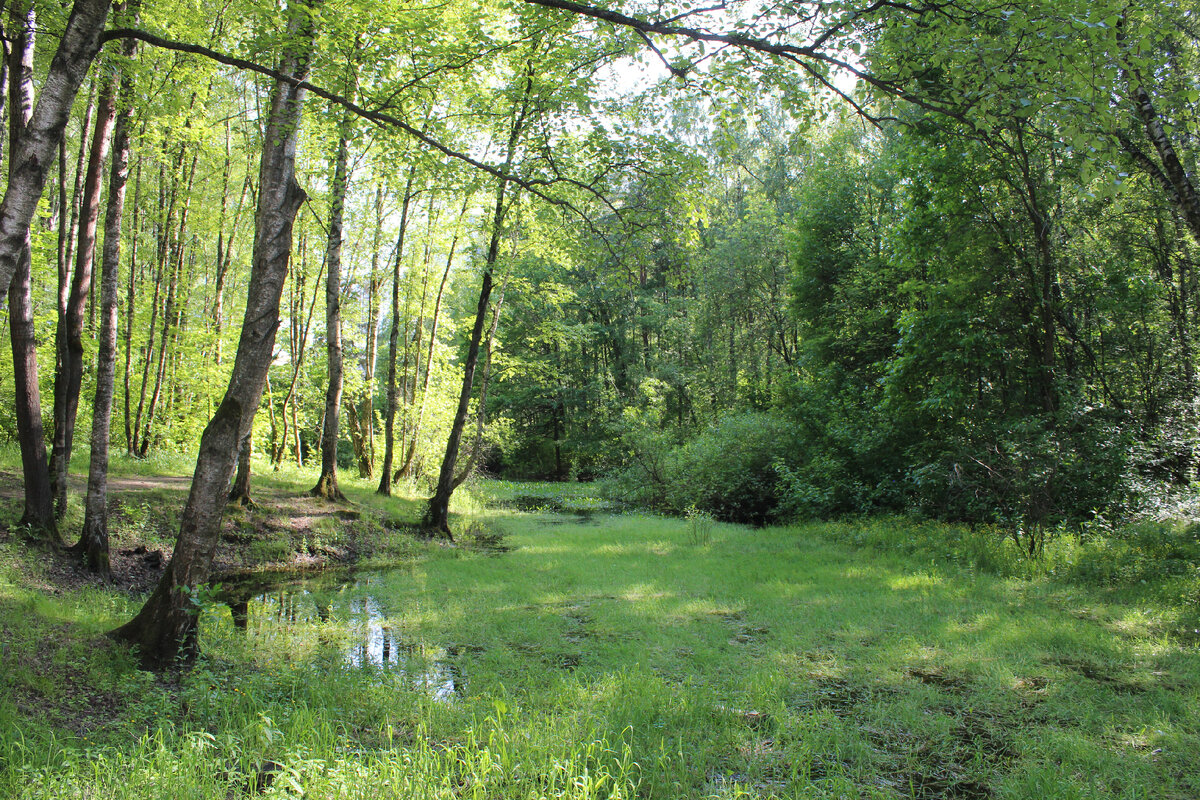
(534, 398)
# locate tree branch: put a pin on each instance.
(534, 187)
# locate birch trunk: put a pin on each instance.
(32, 156)
(166, 626)
(39, 508)
(94, 541)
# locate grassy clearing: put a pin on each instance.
(608, 655)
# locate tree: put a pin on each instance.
(166, 625)
(31, 156)
(393, 393)
(327, 484)
(68, 377)
(39, 513)
(94, 539)
(437, 513)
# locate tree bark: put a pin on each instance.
(166, 627)
(437, 515)
(327, 486)
(389, 421)
(69, 377)
(39, 508)
(33, 154)
(94, 541)
(240, 493)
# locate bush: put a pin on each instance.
(727, 471)
(730, 471)
(1033, 472)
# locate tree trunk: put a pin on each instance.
(327, 486)
(389, 421)
(71, 220)
(94, 541)
(409, 458)
(364, 441)
(299, 345)
(69, 377)
(437, 516)
(239, 495)
(148, 353)
(173, 309)
(481, 417)
(39, 506)
(33, 154)
(409, 388)
(218, 306)
(129, 297)
(166, 627)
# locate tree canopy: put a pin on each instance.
(765, 260)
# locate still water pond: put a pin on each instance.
(353, 625)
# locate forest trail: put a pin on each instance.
(283, 530)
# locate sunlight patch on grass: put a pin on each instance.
(605, 657)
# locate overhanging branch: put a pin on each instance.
(803, 55)
(533, 186)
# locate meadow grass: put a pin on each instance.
(615, 655)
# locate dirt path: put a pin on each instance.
(285, 528)
(12, 484)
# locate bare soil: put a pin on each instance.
(139, 553)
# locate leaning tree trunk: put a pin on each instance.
(39, 507)
(166, 627)
(437, 515)
(69, 377)
(94, 541)
(481, 417)
(327, 486)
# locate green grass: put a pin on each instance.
(619, 656)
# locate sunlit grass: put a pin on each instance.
(615, 656)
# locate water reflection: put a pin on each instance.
(354, 624)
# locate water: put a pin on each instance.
(354, 624)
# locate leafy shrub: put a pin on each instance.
(727, 471)
(1033, 472)
(1142, 552)
(644, 457)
